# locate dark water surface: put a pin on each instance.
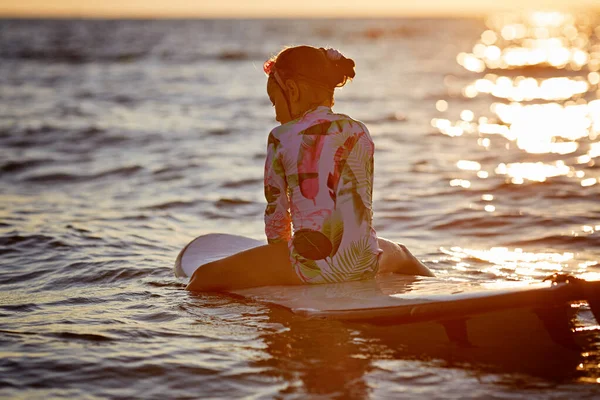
(122, 140)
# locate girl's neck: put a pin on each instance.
(311, 107)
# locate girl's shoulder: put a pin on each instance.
(351, 123)
(319, 116)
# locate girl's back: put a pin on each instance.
(322, 163)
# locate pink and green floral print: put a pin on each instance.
(319, 179)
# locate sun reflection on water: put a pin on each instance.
(542, 70)
(549, 39)
(508, 263)
(536, 172)
(524, 88)
(532, 107)
(468, 165)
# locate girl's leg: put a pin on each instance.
(270, 265)
(397, 259)
(266, 265)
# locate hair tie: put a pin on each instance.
(269, 68)
(333, 54)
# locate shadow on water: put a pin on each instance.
(317, 357)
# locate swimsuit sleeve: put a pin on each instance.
(278, 227)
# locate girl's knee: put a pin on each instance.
(203, 278)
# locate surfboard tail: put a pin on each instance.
(588, 291)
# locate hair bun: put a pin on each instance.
(327, 68)
(343, 68)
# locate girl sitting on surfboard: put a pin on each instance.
(319, 181)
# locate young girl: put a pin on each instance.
(318, 181)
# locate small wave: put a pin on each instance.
(233, 55)
(213, 215)
(528, 188)
(588, 242)
(181, 166)
(166, 170)
(136, 370)
(16, 240)
(124, 218)
(18, 166)
(81, 265)
(123, 171)
(91, 131)
(170, 205)
(393, 207)
(243, 182)
(84, 273)
(123, 99)
(518, 221)
(471, 223)
(56, 177)
(32, 142)
(225, 202)
(77, 228)
(28, 307)
(73, 301)
(160, 316)
(223, 56)
(18, 333)
(555, 221)
(107, 140)
(170, 173)
(32, 136)
(92, 337)
(16, 277)
(218, 132)
(173, 285)
(43, 133)
(574, 194)
(40, 130)
(69, 56)
(123, 274)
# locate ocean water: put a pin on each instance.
(120, 141)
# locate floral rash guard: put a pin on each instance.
(319, 179)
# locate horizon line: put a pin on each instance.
(381, 14)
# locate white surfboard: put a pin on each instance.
(463, 309)
(211, 247)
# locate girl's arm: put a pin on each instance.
(278, 223)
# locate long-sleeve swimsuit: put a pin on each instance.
(319, 179)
